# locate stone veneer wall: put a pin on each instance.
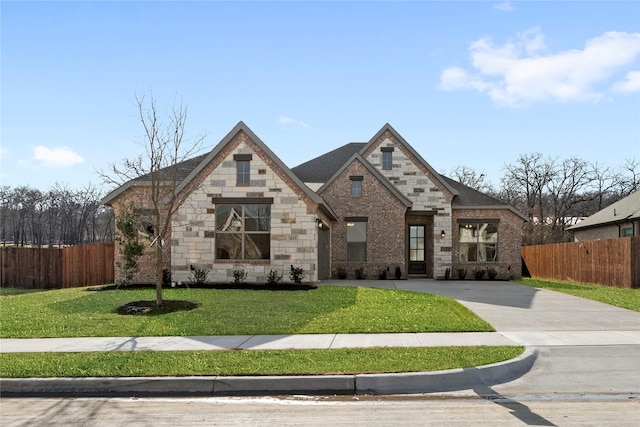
(509, 264)
(427, 194)
(385, 225)
(293, 219)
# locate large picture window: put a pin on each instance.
(478, 242)
(243, 232)
(356, 240)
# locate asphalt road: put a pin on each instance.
(308, 411)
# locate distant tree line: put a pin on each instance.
(59, 216)
(553, 193)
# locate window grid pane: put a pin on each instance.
(387, 160)
(242, 172)
(356, 188)
(243, 232)
(478, 242)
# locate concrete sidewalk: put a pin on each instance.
(320, 341)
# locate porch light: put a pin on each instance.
(442, 234)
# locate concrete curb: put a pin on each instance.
(402, 383)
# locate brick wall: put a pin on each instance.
(385, 225)
(509, 264)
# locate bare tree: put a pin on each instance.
(164, 147)
(469, 177)
(629, 177)
(530, 175)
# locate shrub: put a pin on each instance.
(492, 273)
(478, 273)
(239, 276)
(398, 272)
(166, 277)
(383, 274)
(447, 273)
(360, 274)
(296, 274)
(462, 273)
(273, 277)
(198, 275)
(341, 272)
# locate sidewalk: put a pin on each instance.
(320, 341)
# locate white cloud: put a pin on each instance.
(286, 121)
(630, 85)
(519, 73)
(505, 6)
(58, 157)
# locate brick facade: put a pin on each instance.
(385, 246)
(509, 263)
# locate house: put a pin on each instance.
(373, 207)
(620, 219)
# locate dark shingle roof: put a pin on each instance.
(184, 169)
(468, 196)
(322, 168)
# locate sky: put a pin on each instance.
(473, 84)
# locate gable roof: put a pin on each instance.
(322, 168)
(470, 198)
(375, 172)
(409, 148)
(189, 169)
(624, 210)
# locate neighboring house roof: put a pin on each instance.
(624, 210)
(375, 172)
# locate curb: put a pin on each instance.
(402, 383)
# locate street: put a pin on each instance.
(614, 410)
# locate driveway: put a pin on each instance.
(585, 347)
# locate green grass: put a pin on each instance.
(272, 362)
(624, 298)
(77, 312)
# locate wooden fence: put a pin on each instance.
(611, 262)
(69, 267)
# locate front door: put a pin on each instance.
(417, 249)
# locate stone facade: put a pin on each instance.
(309, 225)
(294, 232)
(413, 179)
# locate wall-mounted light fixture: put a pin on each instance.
(321, 224)
(442, 234)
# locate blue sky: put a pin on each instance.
(465, 83)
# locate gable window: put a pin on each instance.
(478, 241)
(243, 232)
(243, 170)
(387, 158)
(356, 186)
(356, 239)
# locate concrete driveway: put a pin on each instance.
(585, 347)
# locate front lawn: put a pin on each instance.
(77, 312)
(624, 298)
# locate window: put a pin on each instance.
(416, 243)
(627, 232)
(243, 232)
(387, 157)
(243, 170)
(356, 186)
(478, 242)
(356, 240)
